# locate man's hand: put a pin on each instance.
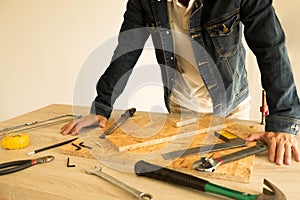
(282, 146)
(74, 126)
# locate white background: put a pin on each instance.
(45, 45)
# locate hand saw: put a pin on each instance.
(230, 141)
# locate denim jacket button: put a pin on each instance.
(167, 32)
(296, 128)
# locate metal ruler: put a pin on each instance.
(231, 141)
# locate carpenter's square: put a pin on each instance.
(127, 114)
(231, 141)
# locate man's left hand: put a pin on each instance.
(282, 146)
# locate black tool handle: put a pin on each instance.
(52, 146)
(143, 168)
(128, 113)
(14, 166)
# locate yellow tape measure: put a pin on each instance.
(227, 134)
(15, 140)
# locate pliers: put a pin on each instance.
(14, 166)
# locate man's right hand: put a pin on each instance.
(74, 126)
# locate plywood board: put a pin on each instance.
(137, 136)
(144, 130)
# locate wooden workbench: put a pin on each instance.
(55, 180)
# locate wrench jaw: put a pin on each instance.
(94, 171)
(206, 164)
(145, 196)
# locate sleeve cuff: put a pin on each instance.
(282, 124)
(100, 109)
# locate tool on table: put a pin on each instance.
(143, 168)
(126, 115)
(84, 146)
(14, 166)
(15, 140)
(231, 141)
(51, 147)
(264, 107)
(29, 125)
(98, 172)
(68, 163)
(210, 164)
(77, 147)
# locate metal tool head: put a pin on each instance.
(145, 196)
(271, 194)
(205, 164)
(127, 114)
(231, 141)
(44, 159)
(96, 170)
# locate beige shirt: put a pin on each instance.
(189, 92)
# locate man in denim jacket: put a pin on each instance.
(215, 29)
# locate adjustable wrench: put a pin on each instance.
(98, 172)
(210, 164)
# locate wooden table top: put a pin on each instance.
(54, 180)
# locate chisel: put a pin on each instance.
(126, 115)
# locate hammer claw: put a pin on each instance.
(267, 192)
(273, 194)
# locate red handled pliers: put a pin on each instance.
(14, 166)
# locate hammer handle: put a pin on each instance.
(143, 168)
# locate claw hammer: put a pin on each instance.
(143, 168)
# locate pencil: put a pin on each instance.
(52, 146)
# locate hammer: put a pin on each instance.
(143, 168)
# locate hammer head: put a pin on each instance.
(273, 194)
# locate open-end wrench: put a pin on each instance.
(98, 172)
(210, 164)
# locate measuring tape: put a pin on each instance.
(15, 141)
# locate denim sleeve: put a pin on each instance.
(265, 37)
(131, 40)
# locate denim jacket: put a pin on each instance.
(216, 29)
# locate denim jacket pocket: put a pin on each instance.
(225, 35)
